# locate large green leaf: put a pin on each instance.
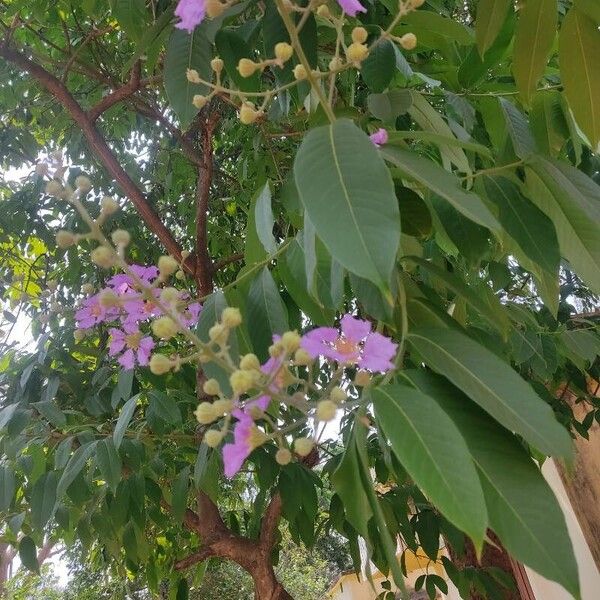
(491, 15)
(572, 201)
(179, 495)
(494, 385)
(50, 410)
(379, 67)
(123, 420)
(28, 554)
(263, 219)
(442, 183)
(232, 47)
(536, 29)
(7, 486)
(548, 123)
(580, 71)
(164, 407)
(186, 51)
(522, 509)
(341, 179)
(131, 16)
(390, 105)
(109, 462)
(432, 451)
(43, 499)
(74, 467)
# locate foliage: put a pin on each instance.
(466, 231)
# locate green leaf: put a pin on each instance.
(585, 344)
(491, 15)
(432, 28)
(494, 385)
(390, 105)
(548, 123)
(180, 493)
(74, 467)
(439, 139)
(442, 183)
(43, 499)
(164, 407)
(49, 410)
(266, 312)
(572, 201)
(131, 16)
(109, 462)
(378, 68)
(590, 7)
(263, 219)
(341, 179)
(536, 29)
(28, 554)
(522, 509)
(186, 51)
(579, 48)
(254, 250)
(231, 47)
(518, 129)
(7, 486)
(123, 420)
(432, 451)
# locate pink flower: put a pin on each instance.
(92, 313)
(123, 283)
(132, 344)
(244, 434)
(380, 137)
(356, 344)
(351, 7)
(191, 13)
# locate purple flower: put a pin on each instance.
(92, 312)
(246, 437)
(132, 344)
(356, 344)
(351, 7)
(123, 283)
(191, 13)
(380, 137)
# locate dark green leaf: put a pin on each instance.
(378, 68)
(164, 407)
(7, 486)
(109, 462)
(231, 47)
(123, 420)
(263, 218)
(180, 493)
(28, 554)
(491, 15)
(74, 467)
(43, 500)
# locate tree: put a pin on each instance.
(179, 158)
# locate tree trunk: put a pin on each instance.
(266, 586)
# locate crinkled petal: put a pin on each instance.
(261, 402)
(143, 356)
(378, 353)
(191, 13)
(127, 360)
(351, 7)
(315, 341)
(234, 456)
(354, 329)
(380, 137)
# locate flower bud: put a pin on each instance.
(335, 64)
(217, 64)
(214, 8)
(87, 288)
(359, 35)
(83, 184)
(408, 41)
(338, 395)
(302, 357)
(169, 295)
(103, 257)
(165, 328)
(241, 381)
(300, 73)
(107, 298)
(160, 364)
(65, 239)
(357, 52)
(167, 265)
(180, 275)
(247, 67)
(218, 334)
(416, 3)
(326, 410)
(362, 378)
(276, 349)
(120, 237)
(290, 341)
(193, 76)
(109, 205)
(211, 387)
(54, 188)
(283, 51)
(199, 101)
(303, 446)
(250, 362)
(323, 11)
(79, 335)
(248, 114)
(283, 457)
(204, 412)
(212, 438)
(231, 317)
(222, 406)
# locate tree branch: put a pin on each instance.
(99, 146)
(219, 264)
(270, 522)
(192, 559)
(119, 94)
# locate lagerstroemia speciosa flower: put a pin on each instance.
(132, 346)
(351, 7)
(191, 13)
(246, 437)
(380, 137)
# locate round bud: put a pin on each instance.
(167, 265)
(247, 67)
(416, 3)
(408, 41)
(338, 395)
(300, 73)
(204, 412)
(359, 35)
(283, 457)
(54, 188)
(103, 257)
(218, 333)
(217, 64)
(241, 381)
(283, 51)
(180, 275)
(290, 341)
(362, 378)
(109, 205)
(211, 387)
(107, 298)
(222, 406)
(323, 11)
(78, 335)
(212, 438)
(193, 76)
(250, 362)
(120, 237)
(357, 52)
(326, 410)
(87, 288)
(83, 183)
(160, 364)
(165, 328)
(231, 317)
(65, 239)
(248, 114)
(302, 357)
(199, 101)
(169, 295)
(214, 8)
(303, 446)
(276, 349)
(335, 64)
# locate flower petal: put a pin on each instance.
(354, 329)
(378, 353)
